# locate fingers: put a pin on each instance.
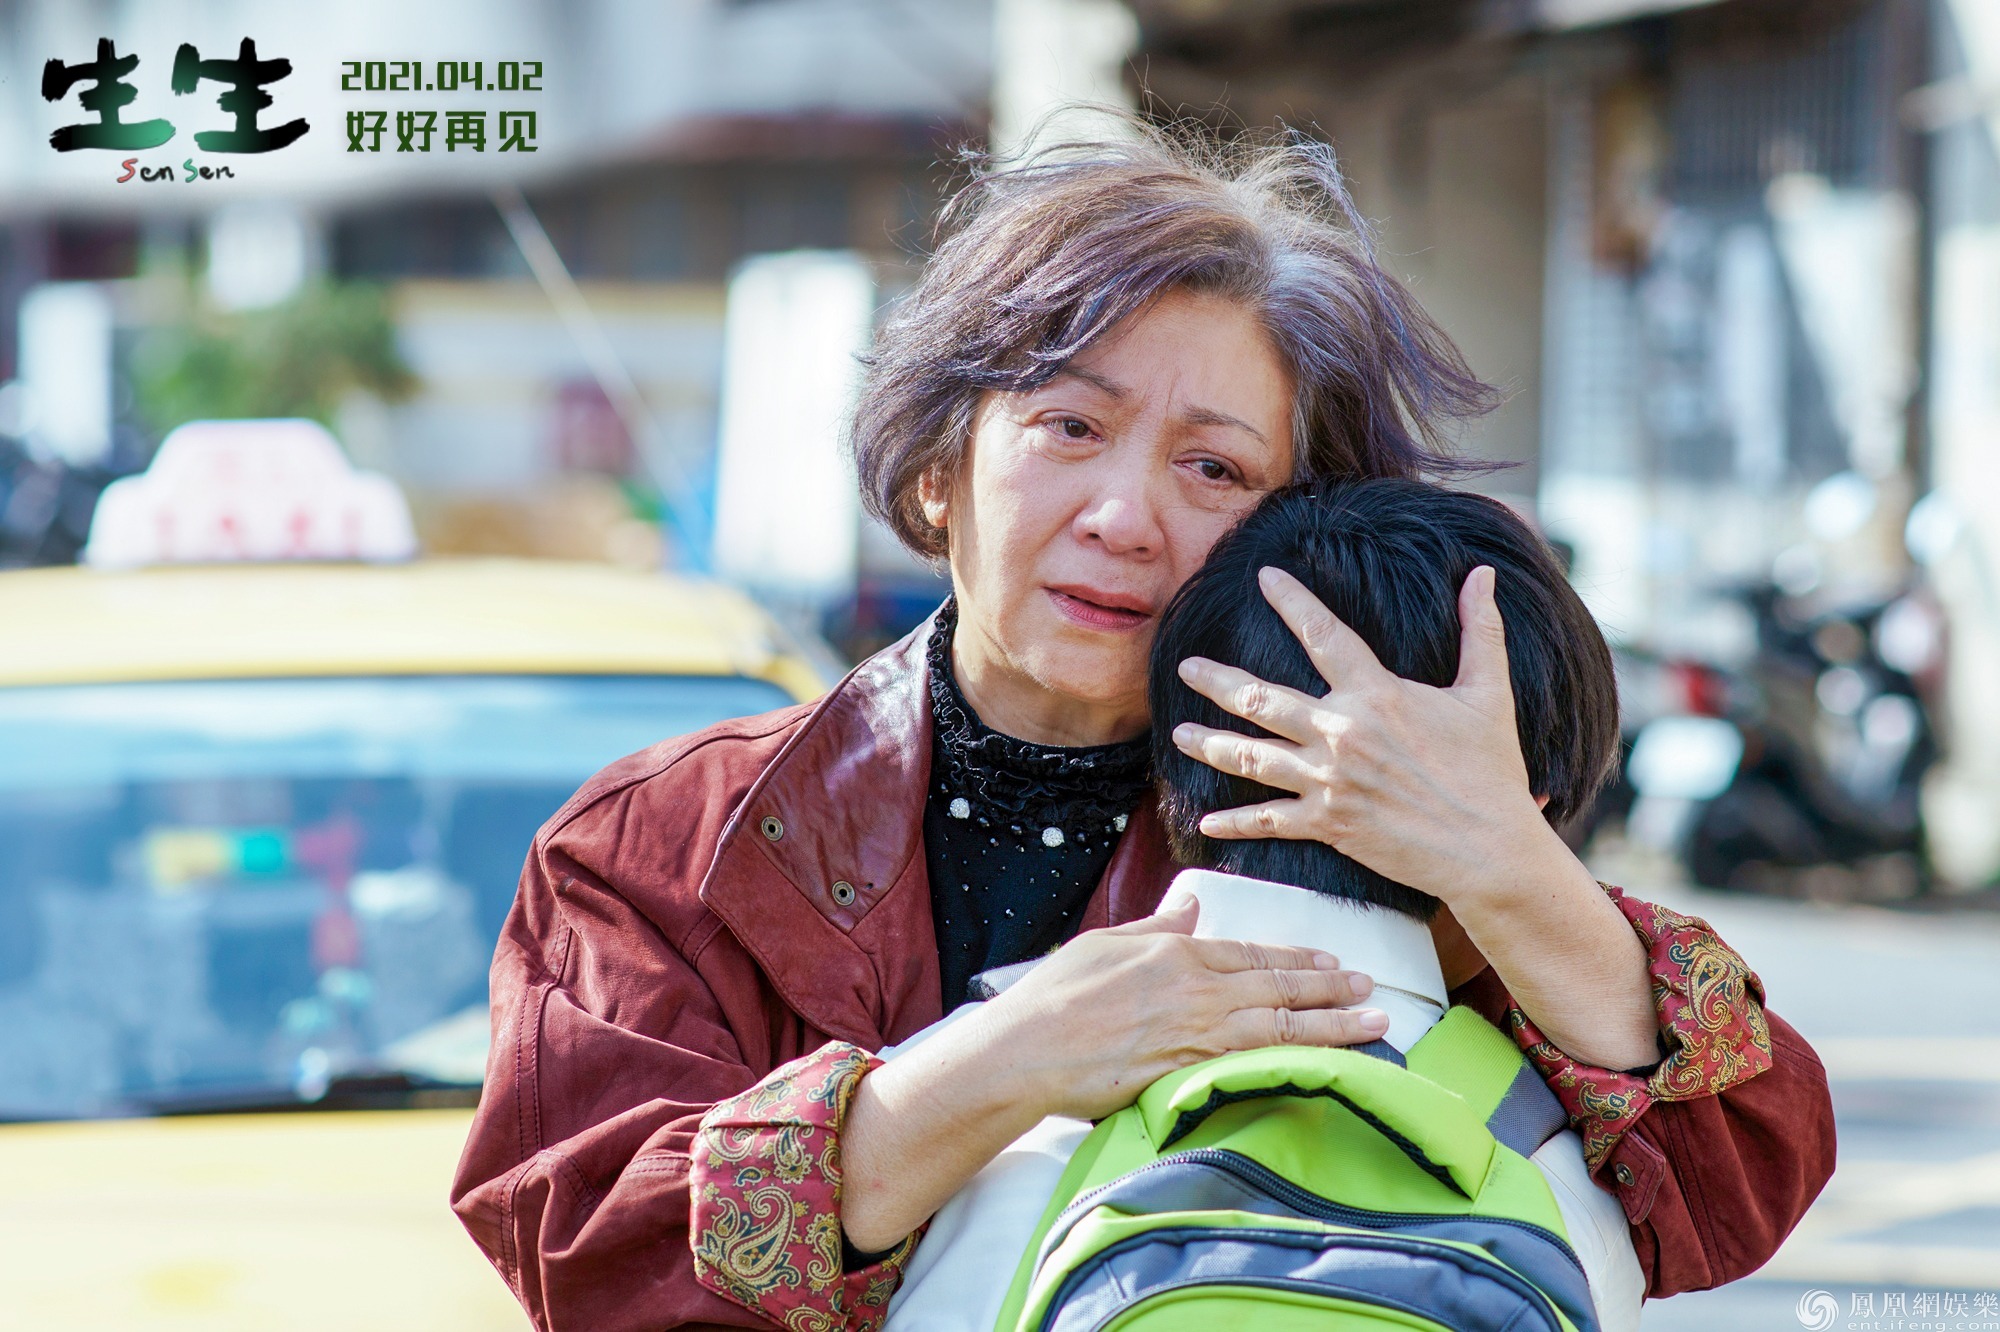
(1281, 711)
(1238, 955)
(1273, 818)
(1255, 1028)
(1273, 762)
(1296, 990)
(1482, 639)
(1337, 652)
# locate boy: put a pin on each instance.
(1387, 557)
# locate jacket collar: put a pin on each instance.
(847, 794)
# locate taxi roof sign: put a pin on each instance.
(231, 491)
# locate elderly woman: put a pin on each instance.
(1114, 354)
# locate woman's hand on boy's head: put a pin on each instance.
(1425, 786)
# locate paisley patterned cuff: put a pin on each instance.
(764, 1186)
(1711, 1010)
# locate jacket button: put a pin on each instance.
(843, 892)
(773, 829)
(1623, 1174)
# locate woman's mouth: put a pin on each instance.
(1083, 606)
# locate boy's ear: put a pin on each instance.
(1541, 802)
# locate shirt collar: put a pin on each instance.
(1391, 949)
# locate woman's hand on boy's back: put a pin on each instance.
(1080, 1035)
(1114, 1009)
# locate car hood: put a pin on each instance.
(263, 1223)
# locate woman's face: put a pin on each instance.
(1082, 506)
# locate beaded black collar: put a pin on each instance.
(1053, 785)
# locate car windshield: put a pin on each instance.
(224, 894)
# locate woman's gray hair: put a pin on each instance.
(1041, 259)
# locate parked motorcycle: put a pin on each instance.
(1800, 773)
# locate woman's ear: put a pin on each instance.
(1541, 802)
(934, 497)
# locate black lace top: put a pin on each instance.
(1016, 835)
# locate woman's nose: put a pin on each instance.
(1124, 519)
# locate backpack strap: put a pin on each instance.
(1381, 1049)
(1432, 1127)
(1477, 1060)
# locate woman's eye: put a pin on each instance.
(1213, 470)
(1074, 428)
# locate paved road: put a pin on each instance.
(1905, 1010)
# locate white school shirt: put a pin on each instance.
(958, 1277)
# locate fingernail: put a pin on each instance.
(1326, 962)
(1188, 669)
(1184, 735)
(1362, 985)
(1208, 825)
(1373, 1021)
(1267, 575)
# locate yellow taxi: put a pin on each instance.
(259, 826)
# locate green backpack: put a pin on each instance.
(1298, 1188)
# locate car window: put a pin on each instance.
(238, 893)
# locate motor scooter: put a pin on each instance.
(1800, 775)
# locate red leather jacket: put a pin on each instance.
(677, 938)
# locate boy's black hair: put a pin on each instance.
(1388, 557)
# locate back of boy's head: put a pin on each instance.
(1388, 557)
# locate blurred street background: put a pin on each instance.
(1898, 1004)
(1736, 264)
